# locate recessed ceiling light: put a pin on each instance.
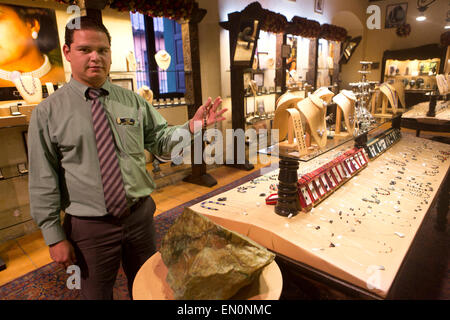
(421, 17)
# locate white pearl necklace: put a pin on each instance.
(38, 73)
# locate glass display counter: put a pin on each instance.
(358, 239)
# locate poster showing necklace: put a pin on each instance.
(29, 46)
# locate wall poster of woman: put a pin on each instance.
(29, 45)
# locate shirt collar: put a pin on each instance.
(81, 88)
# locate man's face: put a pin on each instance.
(89, 56)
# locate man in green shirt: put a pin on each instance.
(69, 169)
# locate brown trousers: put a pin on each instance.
(101, 243)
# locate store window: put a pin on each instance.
(159, 35)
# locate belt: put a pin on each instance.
(135, 205)
(124, 215)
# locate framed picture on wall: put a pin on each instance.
(30, 43)
(395, 15)
(318, 6)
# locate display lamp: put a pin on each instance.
(422, 6)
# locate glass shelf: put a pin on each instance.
(333, 143)
(261, 94)
(150, 71)
(13, 171)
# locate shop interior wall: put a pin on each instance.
(302, 8)
(422, 33)
(354, 26)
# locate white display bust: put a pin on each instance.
(131, 62)
(313, 110)
(345, 101)
(146, 93)
(163, 59)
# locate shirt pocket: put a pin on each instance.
(132, 137)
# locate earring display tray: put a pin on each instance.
(361, 234)
(382, 142)
(316, 186)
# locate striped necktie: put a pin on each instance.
(113, 189)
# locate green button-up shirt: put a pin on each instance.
(64, 170)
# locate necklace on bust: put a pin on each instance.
(30, 89)
(25, 88)
(38, 73)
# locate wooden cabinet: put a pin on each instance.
(15, 219)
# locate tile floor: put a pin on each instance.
(28, 253)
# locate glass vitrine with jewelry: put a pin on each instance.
(415, 69)
(328, 54)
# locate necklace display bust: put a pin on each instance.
(390, 94)
(286, 101)
(146, 93)
(163, 59)
(30, 88)
(345, 101)
(324, 93)
(131, 62)
(314, 110)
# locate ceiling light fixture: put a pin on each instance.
(422, 6)
(421, 17)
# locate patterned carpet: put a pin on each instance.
(426, 275)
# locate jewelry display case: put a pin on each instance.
(416, 68)
(355, 241)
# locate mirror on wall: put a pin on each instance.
(297, 63)
(348, 48)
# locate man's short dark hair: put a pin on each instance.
(85, 23)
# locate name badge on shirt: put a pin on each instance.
(125, 121)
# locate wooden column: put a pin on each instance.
(238, 114)
(336, 66)
(280, 72)
(237, 91)
(311, 75)
(193, 95)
